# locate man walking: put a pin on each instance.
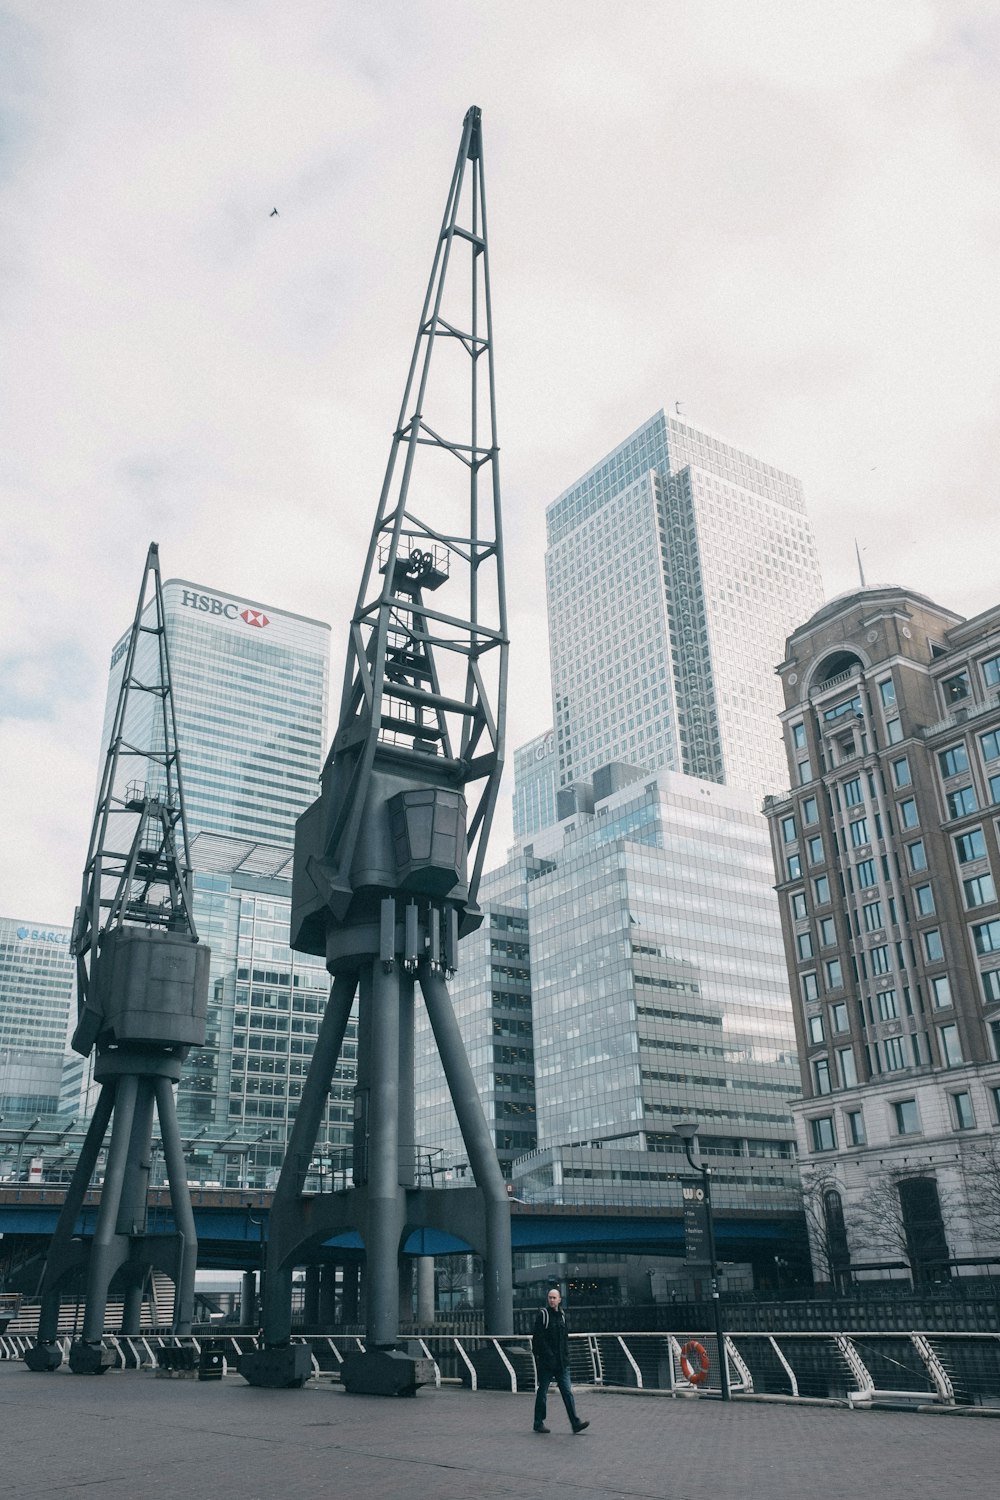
(550, 1346)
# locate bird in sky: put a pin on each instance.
(273, 213)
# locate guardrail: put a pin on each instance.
(916, 1369)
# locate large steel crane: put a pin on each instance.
(388, 859)
(142, 990)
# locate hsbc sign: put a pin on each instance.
(209, 605)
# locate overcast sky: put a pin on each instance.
(783, 214)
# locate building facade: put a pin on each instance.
(37, 990)
(675, 569)
(886, 852)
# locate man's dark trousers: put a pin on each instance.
(562, 1380)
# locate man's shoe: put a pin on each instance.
(541, 1427)
(579, 1426)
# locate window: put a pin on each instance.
(793, 864)
(923, 896)
(933, 948)
(995, 1039)
(951, 1048)
(814, 849)
(804, 943)
(798, 905)
(941, 991)
(788, 831)
(991, 984)
(990, 745)
(887, 1008)
(821, 1075)
(986, 937)
(838, 1016)
(824, 1137)
(893, 1054)
(970, 846)
(996, 1104)
(954, 689)
(994, 786)
(815, 1030)
(961, 801)
(906, 1118)
(846, 1068)
(799, 736)
(834, 974)
(979, 891)
(821, 889)
(866, 873)
(810, 810)
(901, 772)
(852, 792)
(953, 760)
(880, 960)
(908, 815)
(917, 855)
(810, 986)
(827, 932)
(991, 671)
(893, 731)
(856, 1127)
(887, 692)
(805, 771)
(872, 914)
(961, 1111)
(859, 833)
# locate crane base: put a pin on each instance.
(43, 1358)
(278, 1369)
(90, 1359)
(385, 1372)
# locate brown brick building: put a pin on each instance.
(886, 852)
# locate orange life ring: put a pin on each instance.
(687, 1369)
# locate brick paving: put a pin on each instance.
(119, 1436)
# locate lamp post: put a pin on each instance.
(687, 1130)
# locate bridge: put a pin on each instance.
(232, 1225)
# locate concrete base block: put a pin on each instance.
(90, 1359)
(43, 1358)
(278, 1369)
(385, 1372)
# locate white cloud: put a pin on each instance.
(783, 214)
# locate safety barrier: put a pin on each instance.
(916, 1369)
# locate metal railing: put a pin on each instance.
(915, 1369)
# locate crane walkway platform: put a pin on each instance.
(128, 1434)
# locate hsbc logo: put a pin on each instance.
(209, 605)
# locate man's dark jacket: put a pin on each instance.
(549, 1339)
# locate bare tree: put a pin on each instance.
(904, 1214)
(982, 1173)
(823, 1205)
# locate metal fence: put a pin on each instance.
(927, 1369)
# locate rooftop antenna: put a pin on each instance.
(861, 571)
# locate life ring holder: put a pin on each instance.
(695, 1376)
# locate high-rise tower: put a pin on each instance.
(675, 569)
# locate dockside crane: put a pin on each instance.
(388, 859)
(142, 992)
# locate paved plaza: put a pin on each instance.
(125, 1435)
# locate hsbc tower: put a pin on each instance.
(250, 693)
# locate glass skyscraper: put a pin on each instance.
(535, 785)
(675, 569)
(250, 685)
(37, 985)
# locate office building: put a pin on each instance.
(535, 785)
(250, 689)
(886, 851)
(675, 569)
(640, 981)
(37, 993)
(251, 684)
